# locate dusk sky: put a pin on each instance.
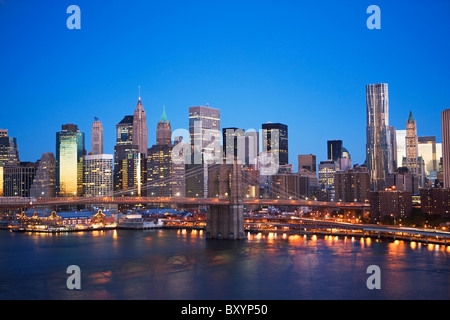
(302, 63)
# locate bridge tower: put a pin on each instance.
(227, 221)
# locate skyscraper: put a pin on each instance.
(327, 169)
(445, 122)
(124, 131)
(163, 130)
(204, 130)
(413, 162)
(140, 133)
(334, 150)
(400, 138)
(240, 144)
(69, 161)
(9, 154)
(98, 175)
(44, 183)
(17, 180)
(129, 163)
(428, 151)
(165, 178)
(275, 141)
(378, 147)
(97, 137)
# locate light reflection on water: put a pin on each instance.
(181, 264)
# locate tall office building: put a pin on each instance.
(124, 131)
(428, 150)
(44, 183)
(97, 137)
(69, 161)
(140, 133)
(204, 130)
(165, 178)
(378, 147)
(275, 141)
(445, 122)
(412, 142)
(9, 154)
(17, 180)
(241, 145)
(327, 169)
(400, 138)
(334, 150)
(98, 175)
(412, 161)
(129, 163)
(163, 130)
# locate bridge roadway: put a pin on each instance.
(15, 202)
(309, 225)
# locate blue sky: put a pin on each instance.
(302, 63)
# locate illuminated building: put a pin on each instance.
(98, 175)
(379, 150)
(435, 201)
(129, 163)
(275, 141)
(400, 136)
(17, 180)
(345, 162)
(403, 180)
(164, 177)
(124, 131)
(241, 145)
(140, 134)
(204, 131)
(412, 160)
(327, 169)
(334, 150)
(390, 205)
(9, 154)
(44, 183)
(69, 161)
(445, 122)
(352, 185)
(97, 137)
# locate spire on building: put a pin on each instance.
(164, 116)
(411, 118)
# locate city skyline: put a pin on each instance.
(285, 66)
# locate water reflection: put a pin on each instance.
(181, 264)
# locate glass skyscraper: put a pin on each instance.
(275, 141)
(69, 161)
(378, 148)
(9, 154)
(334, 150)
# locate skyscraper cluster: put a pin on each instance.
(194, 164)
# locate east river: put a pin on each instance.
(182, 264)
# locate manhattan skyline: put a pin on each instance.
(303, 65)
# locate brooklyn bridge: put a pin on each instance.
(224, 212)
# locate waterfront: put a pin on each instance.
(181, 264)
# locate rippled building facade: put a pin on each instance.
(378, 148)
